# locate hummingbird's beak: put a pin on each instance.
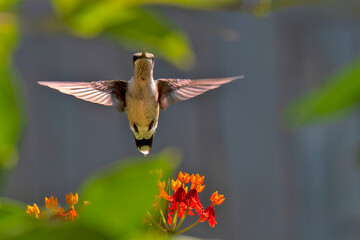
(143, 55)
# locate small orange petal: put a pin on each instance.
(163, 193)
(212, 198)
(217, 199)
(33, 210)
(175, 185)
(76, 200)
(183, 177)
(200, 188)
(220, 201)
(51, 202)
(72, 199)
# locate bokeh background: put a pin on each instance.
(280, 182)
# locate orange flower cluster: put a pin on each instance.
(53, 211)
(185, 202)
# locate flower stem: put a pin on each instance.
(183, 218)
(154, 222)
(163, 219)
(188, 228)
(173, 224)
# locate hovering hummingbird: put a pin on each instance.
(141, 97)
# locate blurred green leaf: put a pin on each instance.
(337, 96)
(60, 231)
(134, 27)
(71, 6)
(13, 219)
(195, 4)
(10, 121)
(120, 194)
(8, 4)
(151, 31)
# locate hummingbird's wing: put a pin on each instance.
(175, 90)
(101, 92)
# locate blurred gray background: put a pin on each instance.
(278, 183)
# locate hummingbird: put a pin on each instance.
(142, 97)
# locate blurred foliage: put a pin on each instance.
(136, 26)
(11, 119)
(9, 5)
(133, 26)
(338, 96)
(119, 196)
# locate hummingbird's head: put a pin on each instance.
(143, 63)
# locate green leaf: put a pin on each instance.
(120, 194)
(336, 97)
(6, 5)
(13, 219)
(152, 31)
(72, 6)
(135, 28)
(60, 231)
(193, 4)
(10, 121)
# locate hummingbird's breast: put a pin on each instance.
(142, 107)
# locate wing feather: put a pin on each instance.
(175, 90)
(101, 92)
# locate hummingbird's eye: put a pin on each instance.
(135, 58)
(151, 125)
(136, 128)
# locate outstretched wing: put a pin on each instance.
(175, 90)
(101, 92)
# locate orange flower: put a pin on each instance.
(33, 210)
(183, 202)
(196, 182)
(183, 177)
(60, 210)
(161, 186)
(162, 193)
(72, 199)
(51, 202)
(209, 212)
(70, 214)
(217, 199)
(175, 185)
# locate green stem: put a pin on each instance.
(154, 222)
(183, 218)
(175, 218)
(188, 228)
(163, 219)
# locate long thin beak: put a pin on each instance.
(143, 55)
